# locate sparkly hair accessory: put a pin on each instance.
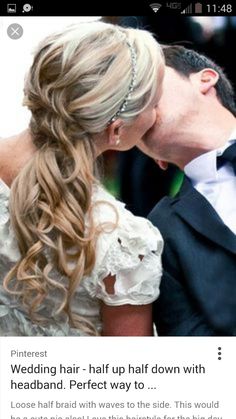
(124, 104)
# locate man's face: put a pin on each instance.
(176, 109)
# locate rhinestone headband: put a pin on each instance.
(124, 104)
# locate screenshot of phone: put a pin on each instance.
(117, 210)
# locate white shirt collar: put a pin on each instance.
(203, 168)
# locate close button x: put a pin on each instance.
(15, 31)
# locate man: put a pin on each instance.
(195, 125)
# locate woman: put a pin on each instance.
(74, 261)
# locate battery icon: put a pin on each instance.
(198, 8)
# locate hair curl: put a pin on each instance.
(76, 83)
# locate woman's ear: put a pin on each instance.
(114, 131)
(206, 79)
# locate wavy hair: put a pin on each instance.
(78, 79)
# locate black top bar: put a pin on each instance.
(117, 8)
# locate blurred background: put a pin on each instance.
(131, 176)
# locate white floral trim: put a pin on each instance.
(132, 253)
(4, 202)
(8, 244)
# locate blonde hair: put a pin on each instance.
(77, 81)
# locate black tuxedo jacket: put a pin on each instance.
(198, 288)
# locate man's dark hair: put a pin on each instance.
(186, 61)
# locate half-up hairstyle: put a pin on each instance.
(76, 84)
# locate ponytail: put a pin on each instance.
(50, 200)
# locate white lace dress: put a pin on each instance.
(118, 253)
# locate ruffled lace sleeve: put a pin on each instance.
(130, 251)
(8, 245)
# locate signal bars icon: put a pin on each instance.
(188, 10)
(155, 7)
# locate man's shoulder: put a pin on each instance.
(164, 216)
(163, 209)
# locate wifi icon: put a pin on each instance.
(155, 7)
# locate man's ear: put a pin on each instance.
(206, 79)
(162, 164)
(114, 131)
